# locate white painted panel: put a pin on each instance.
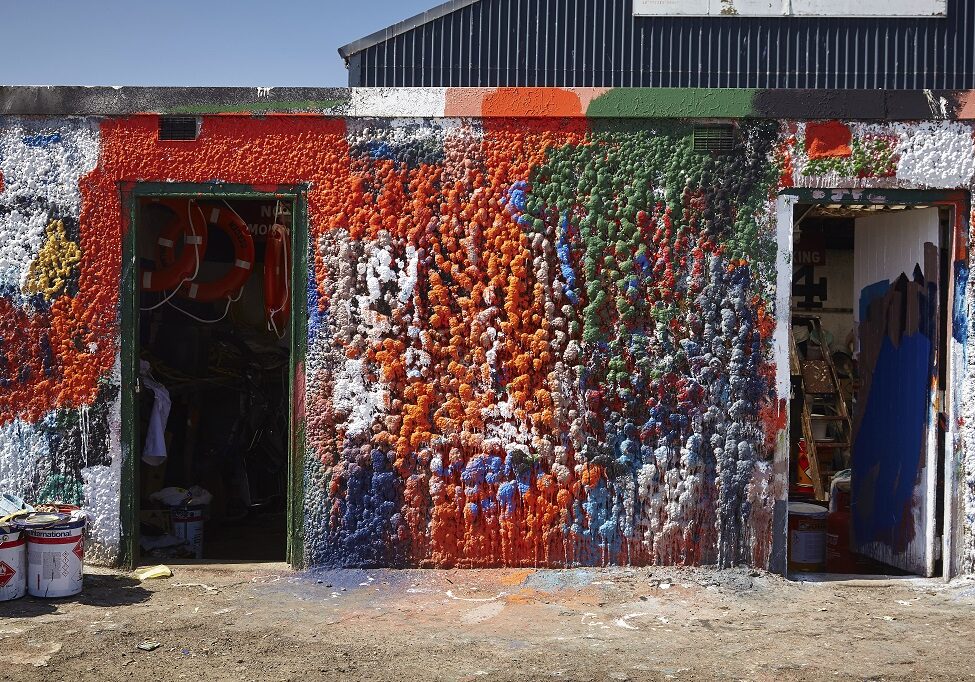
(888, 244)
(750, 8)
(797, 8)
(666, 8)
(870, 8)
(784, 209)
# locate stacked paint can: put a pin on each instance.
(55, 552)
(13, 563)
(807, 537)
(187, 521)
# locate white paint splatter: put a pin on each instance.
(356, 398)
(41, 163)
(937, 155)
(102, 486)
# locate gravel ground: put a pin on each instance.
(264, 622)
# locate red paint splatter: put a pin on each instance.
(774, 415)
(788, 168)
(828, 139)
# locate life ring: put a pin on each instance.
(226, 220)
(171, 271)
(277, 278)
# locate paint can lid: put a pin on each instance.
(806, 509)
(41, 520)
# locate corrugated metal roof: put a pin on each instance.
(403, 26)
(599, 43)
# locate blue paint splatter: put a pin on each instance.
(41, 140)
(959, 315)
(869, 294)
(564, 250)
(316, 317)
(889, 446)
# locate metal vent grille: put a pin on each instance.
(179, 127)
(714, 139)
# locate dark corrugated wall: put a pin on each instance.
(599, 43)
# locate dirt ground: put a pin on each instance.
(264, 622)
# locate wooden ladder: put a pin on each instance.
(822, 404)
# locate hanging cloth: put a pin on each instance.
(154, 452)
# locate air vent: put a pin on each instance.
(718, 139)
(178, 127)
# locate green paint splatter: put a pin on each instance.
(674, 103)
(871, 156)
(62, 489)
(635, 197)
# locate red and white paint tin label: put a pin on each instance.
(13, 565)
(55, 561)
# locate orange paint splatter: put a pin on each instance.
(547, 102)
(828, 139)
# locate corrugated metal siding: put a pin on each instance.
(599, 43)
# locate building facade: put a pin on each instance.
(533, 327)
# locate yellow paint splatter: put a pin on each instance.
(55, 263)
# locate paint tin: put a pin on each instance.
(807, 537)
(187, 523)
(13, 563)
(56, 558)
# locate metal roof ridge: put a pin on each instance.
(401, 27)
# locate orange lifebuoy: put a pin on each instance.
(226, 220)
(171, 271)
(277, 276)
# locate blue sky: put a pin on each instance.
(187, 42)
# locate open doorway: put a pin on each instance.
(214, 362)
(867, 357)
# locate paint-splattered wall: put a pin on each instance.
(543, 344)
(59, 283)
(549, 344)
(530, 341)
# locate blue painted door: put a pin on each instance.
(895, 447)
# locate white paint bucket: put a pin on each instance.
(56, 559)
(13, 564)
(807, 537)
(188, 526)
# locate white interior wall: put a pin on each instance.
(888, 244)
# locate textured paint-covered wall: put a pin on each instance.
(543, 343)
(60, 271)
(535, 341)
(547, 343)
(59, 276)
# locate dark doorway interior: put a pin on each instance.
(224, 363)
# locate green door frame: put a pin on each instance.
(131, 194)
